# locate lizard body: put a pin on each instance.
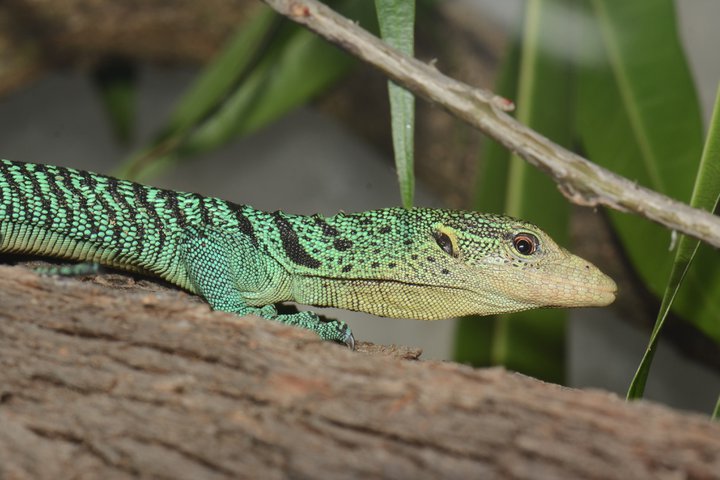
(418, 263)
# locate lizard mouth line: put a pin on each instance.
(606, 291)
(556, 281)
(381, 281)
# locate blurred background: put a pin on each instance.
(226, 99)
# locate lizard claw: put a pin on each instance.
(349, 340)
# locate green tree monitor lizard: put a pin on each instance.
(419, 263)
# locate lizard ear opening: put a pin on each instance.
(447, 240)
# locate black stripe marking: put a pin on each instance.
(106, 211)
(141, 193)
(118, 217)
(119, 197)
(111, 210)
(66, 178)
(87, 179)
(40, 195)
(60, 197)
(79, 195)
(243, 222)
(12, 185)
(291, 244)
(204, 212)
(172, 204)
(327, 229)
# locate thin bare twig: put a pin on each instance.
(580, 180)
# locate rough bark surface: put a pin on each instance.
(102, 382)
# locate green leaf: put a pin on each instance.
(531, 342)
(116, 81)
(716, 411)
(397, 23)
(295, 66)
(222, 74)
(218, 78)
(638, 115)
(706, 194)
(285, 78)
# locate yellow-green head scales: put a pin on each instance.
(433, 264)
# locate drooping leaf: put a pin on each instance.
(706, 194)
(219, 78)
(306, 66)
(397, 24)
(638, 115)
(293, 67)
(286, 77)
(215, 82)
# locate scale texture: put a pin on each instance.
(418, 263)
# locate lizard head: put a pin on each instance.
(432, 264)
(506, 265)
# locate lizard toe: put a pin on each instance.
(349, 340)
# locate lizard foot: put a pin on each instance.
(327, 329)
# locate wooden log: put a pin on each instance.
(106, 382)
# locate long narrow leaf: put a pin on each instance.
(638, 115)
(295, 66)
(218, 79)
(397, 24)
(207, 92)
(285, 78)
(706, 194)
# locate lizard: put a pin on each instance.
(418, 263)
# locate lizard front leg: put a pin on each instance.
(222, 267)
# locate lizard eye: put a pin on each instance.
(525, 243)
(446, 242)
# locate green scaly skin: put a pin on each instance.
(419, 263)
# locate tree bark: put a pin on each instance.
(106, 382)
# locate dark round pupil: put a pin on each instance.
(524, 244)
